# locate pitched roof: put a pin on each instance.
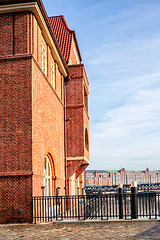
(64, 35)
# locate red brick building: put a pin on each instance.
(115, 177)
(44, 131)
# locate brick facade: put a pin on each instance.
(35, 107)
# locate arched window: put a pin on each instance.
(48, 176)
(86, 140)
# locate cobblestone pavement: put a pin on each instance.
(83, 230)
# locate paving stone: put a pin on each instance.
(83, 230)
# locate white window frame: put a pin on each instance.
(53, 74)
(44, 59)
(48, 177)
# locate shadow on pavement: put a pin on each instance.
(152, 233)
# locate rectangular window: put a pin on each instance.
(44, 59)
(53, 74)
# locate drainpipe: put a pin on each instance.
(65, 138)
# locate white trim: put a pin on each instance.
(44, 59)
(17, 7)
(33, 7)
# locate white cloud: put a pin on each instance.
(128, 135)
(120, 44)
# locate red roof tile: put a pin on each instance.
(64, 35)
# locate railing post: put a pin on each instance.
(155, 205)
(56, 208)
(101, 207)
(84, 206)
(78, 209)
(120, 198)
(134, 202)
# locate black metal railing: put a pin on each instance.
(108, 206)
(126, 188)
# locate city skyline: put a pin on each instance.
(119, 42)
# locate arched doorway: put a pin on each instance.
(49, 188)
(49, 178)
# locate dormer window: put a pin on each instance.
(44, 59)
(53, 74)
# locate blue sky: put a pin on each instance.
(120, 45)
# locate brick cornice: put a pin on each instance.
(16, 173)
(75, 106)
(80, 74)
(86, 161)
(15, 57)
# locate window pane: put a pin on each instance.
(49, 169)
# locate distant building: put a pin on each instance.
(115, 177)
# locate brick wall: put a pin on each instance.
(16, 199)
(6, 33)
(22, 30)
(16, 139)
(76, 116)
(48, 131)
(76, 124)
